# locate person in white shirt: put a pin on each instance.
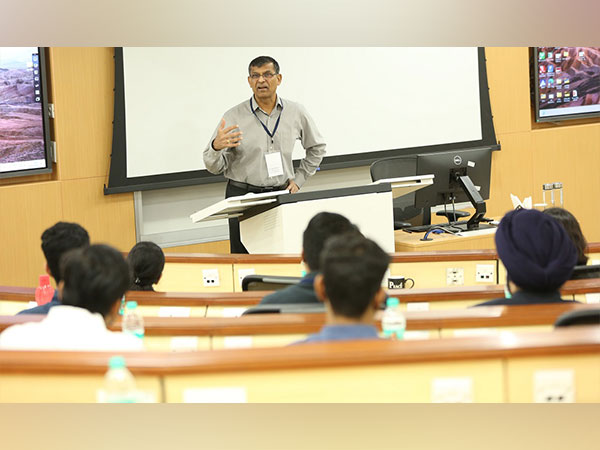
(94, 280)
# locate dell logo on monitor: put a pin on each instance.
(457, 160)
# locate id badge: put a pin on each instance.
(274, 164)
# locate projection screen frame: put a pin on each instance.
(118, 182)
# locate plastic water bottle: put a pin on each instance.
(44, 292)
(393, 322)
(133, 322)
(122, 306)
(119, 384)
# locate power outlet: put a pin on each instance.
(455, 276)
(243, 272)
(592, 298)
(452, 390)
(417, 306)
(554, 386)
(485, 273)
(210, 277)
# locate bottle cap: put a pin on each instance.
(392, 301)
(131, 305)
(116, 362)
(44, 280)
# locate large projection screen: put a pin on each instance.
(367, 102)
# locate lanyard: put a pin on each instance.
(261, 122)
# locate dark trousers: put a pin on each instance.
(235, 243)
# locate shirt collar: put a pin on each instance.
(278, 103)
(75, 315)
(309, 278)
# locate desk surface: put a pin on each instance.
(411, 242)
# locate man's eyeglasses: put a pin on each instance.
(266, 75)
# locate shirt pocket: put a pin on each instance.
(288, 135)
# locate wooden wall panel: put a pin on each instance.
(27, 210)
(508, 79)
(511, 172)
(82, 86)
(571, 155)
(82, 80)
(108, 218)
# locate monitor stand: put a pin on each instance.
(460, 176)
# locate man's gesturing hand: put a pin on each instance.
(226, 137)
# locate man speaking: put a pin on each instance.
(253, 144)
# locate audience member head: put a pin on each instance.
(535, 249)
(94, 278)
(320, 228)
(571, 224)
(352, 268)
(147, 262)
(59, 239)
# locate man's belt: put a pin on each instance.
(257, 189)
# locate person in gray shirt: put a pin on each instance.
(253, 143)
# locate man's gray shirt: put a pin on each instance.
(247, 164)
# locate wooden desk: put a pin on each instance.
(273, 330)
(499, 369)
(411, 242)
(215, 304)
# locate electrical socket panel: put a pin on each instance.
(592, 298)
(243, 272)
(417, 306)
(455, 276)
(184, 343)
(174, 311)
(452, 390)
(210, 277)
(554, 386)
(233, 311)
(485, 273)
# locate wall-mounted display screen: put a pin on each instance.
(24, 137)
(566, 82)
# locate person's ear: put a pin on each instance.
(307, 269)
(279, 77)
(114, 312)
(319, 286)
(48, 270)
(379, 298)
(60, 287)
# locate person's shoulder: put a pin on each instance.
(496, 301)
(292, 294)
(19, 336)
(310, 338)
(278, 297)
(293, 105)
(41, 309)
(240, 108)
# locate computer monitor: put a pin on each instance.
(460, 176)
